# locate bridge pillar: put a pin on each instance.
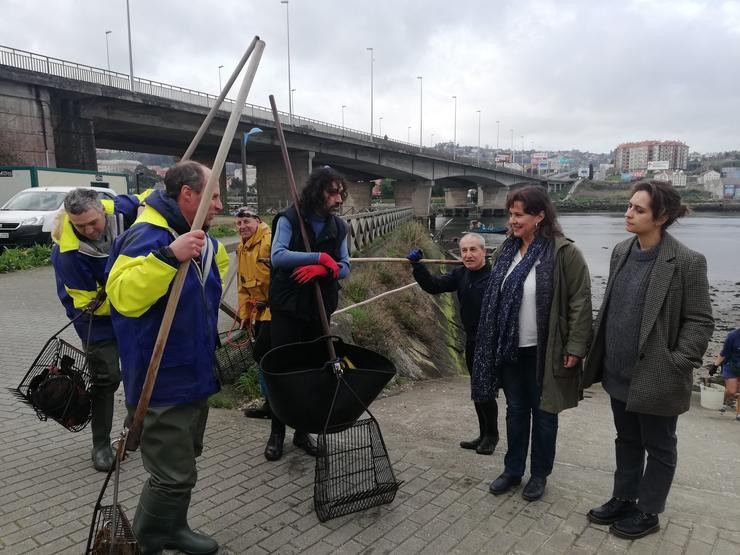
(417, 194)
(74, 136)
(456, 196)
(359, 194)
(26, 136)
(273, 191)
(492, 196)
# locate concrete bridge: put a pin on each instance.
(56, 113)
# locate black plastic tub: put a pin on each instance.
(301, 384)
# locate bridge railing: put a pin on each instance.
(365, 227)
(31, 61)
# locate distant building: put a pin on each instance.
(676, 178)
(118, 165)
(708, 176)
(731, 173)
(636, 156)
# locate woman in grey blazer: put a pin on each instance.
(646, 345)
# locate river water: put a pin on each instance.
(717, 236)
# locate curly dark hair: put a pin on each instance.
(535, 199)
(664, 201)
(320, 180)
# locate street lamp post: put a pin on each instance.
(290, 90)
(431, 140)
(521, 157)
(421, 111)
(130, 52)
(380, 126)
(343, 107)
(478, 138)
(408, 134)
(454, 130)
(371, 50)
(245, 138)
(512, 146)
(498, 131)
(107, 49)
(219, 79)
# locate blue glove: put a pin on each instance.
(415, 256)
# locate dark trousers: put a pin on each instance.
(519, 380)
(284, 329)
(487, 412)
(262, 344)
(638, 434)
(171, 439)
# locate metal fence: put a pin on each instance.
(365, 227)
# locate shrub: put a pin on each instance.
(24, 258)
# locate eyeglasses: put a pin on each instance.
(245, 212)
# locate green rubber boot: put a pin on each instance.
(101, 424)
(153, 521)
(186, 540)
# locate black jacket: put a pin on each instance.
(470, 287)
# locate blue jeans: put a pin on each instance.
(519, 381)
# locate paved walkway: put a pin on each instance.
(48, 487)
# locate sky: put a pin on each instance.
(562, 74)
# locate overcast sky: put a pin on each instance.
(562, 74)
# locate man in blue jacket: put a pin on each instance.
(144, 261)
(82, 236)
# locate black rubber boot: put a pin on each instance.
(488, 442)
(154, 519)
(474, 443)
(274, 447)
(100, 425)
(184, 539)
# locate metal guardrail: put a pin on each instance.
(365, 227)
(40, 63)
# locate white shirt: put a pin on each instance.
(528, 308)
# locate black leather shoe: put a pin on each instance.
(637, 525)
(487, 445)
(472, 444)
(304, 441)
(535, 488)
(258, 412)
(274, 447)
(504, 483)
(613, 510)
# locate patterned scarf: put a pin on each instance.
(498, 330)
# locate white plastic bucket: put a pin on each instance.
(712, 397)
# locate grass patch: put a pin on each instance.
(248, 383)
(224, 399)
(222, 230)
(12, 260)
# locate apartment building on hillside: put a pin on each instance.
(637, 156)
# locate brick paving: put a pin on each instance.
(48, 487)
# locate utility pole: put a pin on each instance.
(454, 131)
(370, 49)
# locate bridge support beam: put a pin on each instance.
(492, 197)
(359, 195)
(417, 194)
(456, 196)
(26, 136)
(273, 191)
(74, 136)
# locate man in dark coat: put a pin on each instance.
(469, 280)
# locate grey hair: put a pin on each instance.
(81, 200)
(479, 237)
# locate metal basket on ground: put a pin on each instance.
(110, 530)
(353, 471)
(233, 355)
(58, 384)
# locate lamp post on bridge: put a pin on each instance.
(408, 135)
(371, 50)
(130, 52)
(290, 90)
(343, 107)
(107, 49)
(292, 98)
(498, 132)
(219, 79)
(454, 131)
(421, 111)
(245, 138)
(380, 126)
(512, 146)
(478, 138)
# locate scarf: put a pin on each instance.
(498, 331)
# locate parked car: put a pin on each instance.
(27, 218)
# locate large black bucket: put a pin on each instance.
(301, 384)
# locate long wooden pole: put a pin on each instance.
(394, 260)
(134, 433)
(304, 234)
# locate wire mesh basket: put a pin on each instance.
(353, 471)
(110, 530)
(58, 384)
(233, 355)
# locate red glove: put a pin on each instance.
(329, 263)
(304, 274)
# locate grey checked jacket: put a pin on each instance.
(676, 326)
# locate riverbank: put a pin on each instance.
(590, 205)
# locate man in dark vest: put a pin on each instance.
(295, 315)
